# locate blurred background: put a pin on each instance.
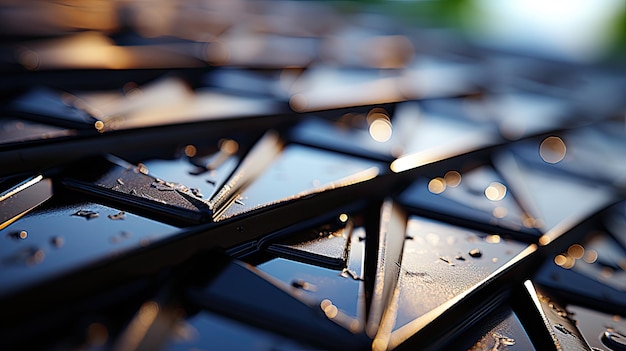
(503, 117)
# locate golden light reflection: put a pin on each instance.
(99, 125)
(606, 272)
(85, 50)
(452, 178)
(568, 263)
(229, 146)
(544, 240)
(343, 218)
(379, 344)
(493, 239)
(380, 130)
(380, 127)
(560, 260)
(329, 308)
(528, 222)
(298, 102)
(499, 212)
(141, 168)
(495, 191)
(190, 151)
(410, 161)
(576, 251)
(437, 185)
(148, 312)
(552, 149)
(355, 326)
(591, 256)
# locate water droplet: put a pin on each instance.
(346, 273)
(502, 340)
(197, 171)
(146, 196)
(301, 284)
(343, 218)
(211, 181)
(162, 186)
(409, 237)
(475, 253)
(495, 259)
(425, 277)
(141, 168)
(18, 235)
(459, 258)
(196, 192)
(120, 181)
(117, 216)
(86, 213)
(27, 256)
(446, 260)
(493, 239)
(57, 241)
(563, 329)
(122, 236)
(99, 125)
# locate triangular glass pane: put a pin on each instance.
(500, 330)
(551, 198)
(478, 197)
(252, 296)
(208, 331)
(342, 287)
(298, 171)
(594, 325)
(441, 261)
(327, 245)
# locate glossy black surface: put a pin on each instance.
(309, 176)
